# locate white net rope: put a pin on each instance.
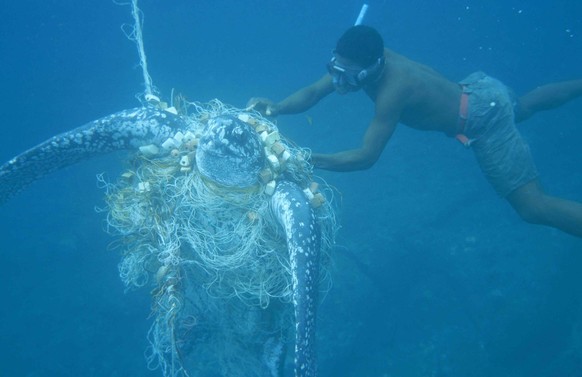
(214, 257)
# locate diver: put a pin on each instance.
(480, 111)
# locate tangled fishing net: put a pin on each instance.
(214, 257)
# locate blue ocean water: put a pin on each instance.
(433, 274)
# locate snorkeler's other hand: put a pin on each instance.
(264, 106)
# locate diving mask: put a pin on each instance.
(352, 78)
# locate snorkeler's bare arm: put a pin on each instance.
(298, 102)
(376, 137)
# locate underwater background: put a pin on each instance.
(433, 274)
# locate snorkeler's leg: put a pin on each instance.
(547, 97)
(536, 207)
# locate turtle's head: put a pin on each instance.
(230, 152)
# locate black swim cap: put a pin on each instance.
(361, 44)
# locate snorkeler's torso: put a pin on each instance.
(424, 98)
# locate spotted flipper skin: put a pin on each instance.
(303, 235)
(123, 130)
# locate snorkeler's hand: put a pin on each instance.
(264, 106)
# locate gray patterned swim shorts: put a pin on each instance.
(502, 153)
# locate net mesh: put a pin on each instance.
(214, 257)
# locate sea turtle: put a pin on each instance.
(217, 206)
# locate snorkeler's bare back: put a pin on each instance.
(425, 99)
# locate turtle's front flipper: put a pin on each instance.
(125, 129)
(302, 231)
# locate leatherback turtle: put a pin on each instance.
(217, 205)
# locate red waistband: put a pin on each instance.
(463, 113)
